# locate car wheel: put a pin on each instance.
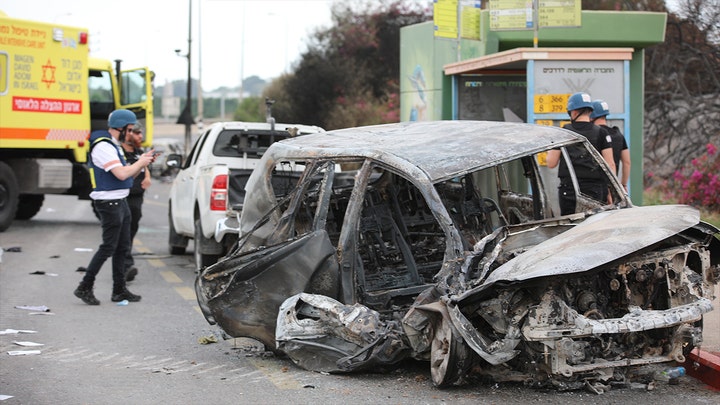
(176, 242)
(202, 260)
(449, 355)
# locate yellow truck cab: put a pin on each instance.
(52, 95)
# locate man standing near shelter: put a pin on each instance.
(620, 148)
(589, 176)
(112, 178)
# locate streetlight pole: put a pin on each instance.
(199, 79)
(186, 115)
(242, 56)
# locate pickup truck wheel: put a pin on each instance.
(176, 242)
(29, 205)
(202, 260)
(9, 193)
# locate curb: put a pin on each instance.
(705, 366)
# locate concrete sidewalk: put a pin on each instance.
(711, 326)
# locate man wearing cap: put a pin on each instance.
(132, 148)
(111, 179)
(621, 153)
(589, 175)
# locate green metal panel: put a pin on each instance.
(637, 119)
(599, 29)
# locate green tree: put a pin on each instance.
(350, 73)
(682, 84)
(251, 109)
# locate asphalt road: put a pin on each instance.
(150, 352)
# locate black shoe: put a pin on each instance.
(131, 273)
(125, 295)
(85, 293)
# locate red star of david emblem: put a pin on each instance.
(48, 70)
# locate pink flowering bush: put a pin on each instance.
(697, 185)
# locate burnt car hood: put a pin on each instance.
(598, 240)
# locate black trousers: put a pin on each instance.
(135, 202)
(115, 222)
(593, 188)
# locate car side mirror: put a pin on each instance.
(174, 160)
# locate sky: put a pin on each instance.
(273, 33)
(230, 38)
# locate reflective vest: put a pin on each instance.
(103, 180)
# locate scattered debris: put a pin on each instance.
(81, 269)
(40, 272)
(23, 352)
(16, 249)
(28, 344)
(40, 308)
(15, 331)
(83, 250)
(204, 340)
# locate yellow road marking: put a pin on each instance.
(278, 377)
(186, 292)
(170, 276)
(156, 262)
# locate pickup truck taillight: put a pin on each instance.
(218, 193)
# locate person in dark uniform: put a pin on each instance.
(112, 179)
(590, 176)
(132, 148)
(621, 153)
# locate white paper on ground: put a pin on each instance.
(23, 352)
(41, 308)
(15, 331)
(28, 344)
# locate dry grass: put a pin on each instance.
(652, 197)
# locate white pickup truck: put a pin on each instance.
(221, 159)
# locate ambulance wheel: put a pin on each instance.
(29, 205)
(9, 193)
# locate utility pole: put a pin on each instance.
(186, 115)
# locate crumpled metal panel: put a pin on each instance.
(319, 333)
(555, 319)
(598, 240)
(262, 282)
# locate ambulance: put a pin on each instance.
(52, 95)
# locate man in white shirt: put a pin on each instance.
(111, 179)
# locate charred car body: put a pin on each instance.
(442, 241)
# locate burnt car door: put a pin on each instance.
(243, 292)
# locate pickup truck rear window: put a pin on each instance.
(236, 143)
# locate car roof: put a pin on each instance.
(245, 126)
(442, 149)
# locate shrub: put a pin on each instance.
(697, 185)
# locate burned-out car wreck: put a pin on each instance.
(442, 241)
